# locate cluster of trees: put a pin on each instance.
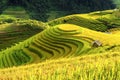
(39, 8)
(3, 4)
(117, 3)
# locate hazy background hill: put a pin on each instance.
(46, 10)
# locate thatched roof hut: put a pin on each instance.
(96, 43)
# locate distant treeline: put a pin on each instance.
(38, 8)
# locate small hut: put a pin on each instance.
(96, 43)
(107, 32)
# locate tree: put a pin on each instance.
(117, 3)
(14, 2)
(38, 9)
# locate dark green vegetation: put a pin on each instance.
(117, 3)
(17, 12)
(42, 9)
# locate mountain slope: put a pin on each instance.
(80, 21)
(17, 12)
(72, 41)
(18, 31)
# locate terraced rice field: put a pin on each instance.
(62, 49)
(17, 13)
(80, 20)
(12, 33)
(72, 41)
(47, 45)
(96, 66)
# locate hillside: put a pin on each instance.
(80, 21)
(90, 67)
(98, 20)
(72, 41)
(13, 31)
(17, 12)
(78, 46)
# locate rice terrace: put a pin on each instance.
(60, 40)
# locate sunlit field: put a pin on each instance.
(98, 67)
(74, 47)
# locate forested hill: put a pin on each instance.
(41, 9)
